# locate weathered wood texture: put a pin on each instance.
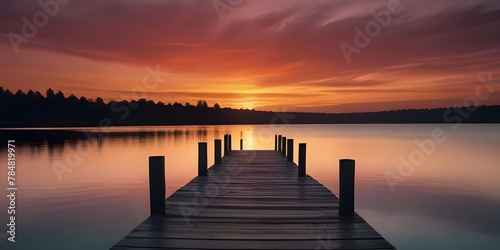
(253, 200)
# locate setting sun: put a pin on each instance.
(276, 53)
(246, 105)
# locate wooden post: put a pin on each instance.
(346, 200)
(217, 151)
(275, 142)
(279, 143)
(202, 159)
(283, 145)
(157, 185)
(241, 144)
(230, 143)
(302, 159)
(225, 144)
(289, 154)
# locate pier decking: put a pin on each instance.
(253, 199)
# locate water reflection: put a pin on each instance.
(104, 193)
(457, 207)
(56, 140)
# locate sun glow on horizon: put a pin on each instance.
(254, 60)
(245, 105)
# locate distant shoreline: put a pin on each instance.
(299, 119)
(62, 127)
(32, 109)
(226, 116)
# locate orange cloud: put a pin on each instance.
(266, 53)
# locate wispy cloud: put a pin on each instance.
(273, 46)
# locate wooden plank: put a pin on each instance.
(253, 200)
(200, 225)
(201, 219)
(230, 234)
(256, 244)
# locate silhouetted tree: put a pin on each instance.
(19, 94)
(31, 95)
(72, 98)
(60, 95)
(99, 100)
(83, 99)
(50, 94)
(202, 104)
(216, 106)
(38, 95)
(8, 93)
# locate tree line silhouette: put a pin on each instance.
(33, 109)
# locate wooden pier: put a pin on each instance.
(253, 199)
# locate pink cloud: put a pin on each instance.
(278, 44)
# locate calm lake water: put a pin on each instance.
(421, 186)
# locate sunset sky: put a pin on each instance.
(261, 54)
